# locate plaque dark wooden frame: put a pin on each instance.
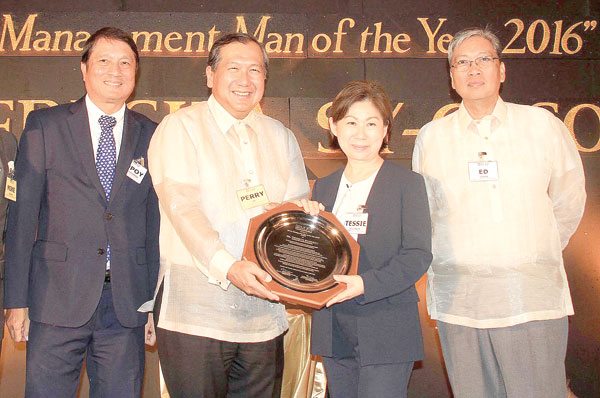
(314, 300)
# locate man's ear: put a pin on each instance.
(209, 77)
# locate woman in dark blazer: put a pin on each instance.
(369, 335)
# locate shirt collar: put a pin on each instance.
(94, 112)
(498, 115)
(224, 119)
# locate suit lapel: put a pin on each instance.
(131, 135)
(378, 189)
(376, 198)
(79, 127)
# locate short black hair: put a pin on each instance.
(109, 33)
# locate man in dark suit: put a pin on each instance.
(82, 237)
(8, 150)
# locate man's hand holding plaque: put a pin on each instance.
(250, 278)
(302, 247)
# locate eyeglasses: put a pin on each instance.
(483, 62)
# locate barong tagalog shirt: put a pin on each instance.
(203, 161)
(506, 193)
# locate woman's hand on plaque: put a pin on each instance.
(271, 205)
(309, 206)
(354, 287)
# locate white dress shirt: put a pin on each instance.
(199, 157)
(352, 198)
(498, 244)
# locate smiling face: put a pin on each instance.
(360, 132)
(477, 86)
(238, 80)
(109, 74)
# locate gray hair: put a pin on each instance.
(465, 34)
(214, 56)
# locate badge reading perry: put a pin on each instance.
(137, 171)
(252, 197)
(10, 191)
(483, 171)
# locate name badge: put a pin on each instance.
(356, 223)
(483, 171)
(137, 171)
(252, 197)
(10, 190)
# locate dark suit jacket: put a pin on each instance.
(394, 253)
(8, 150)
(60, 224)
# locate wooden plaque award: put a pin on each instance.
(302, 253)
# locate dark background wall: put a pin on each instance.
(552, 56)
